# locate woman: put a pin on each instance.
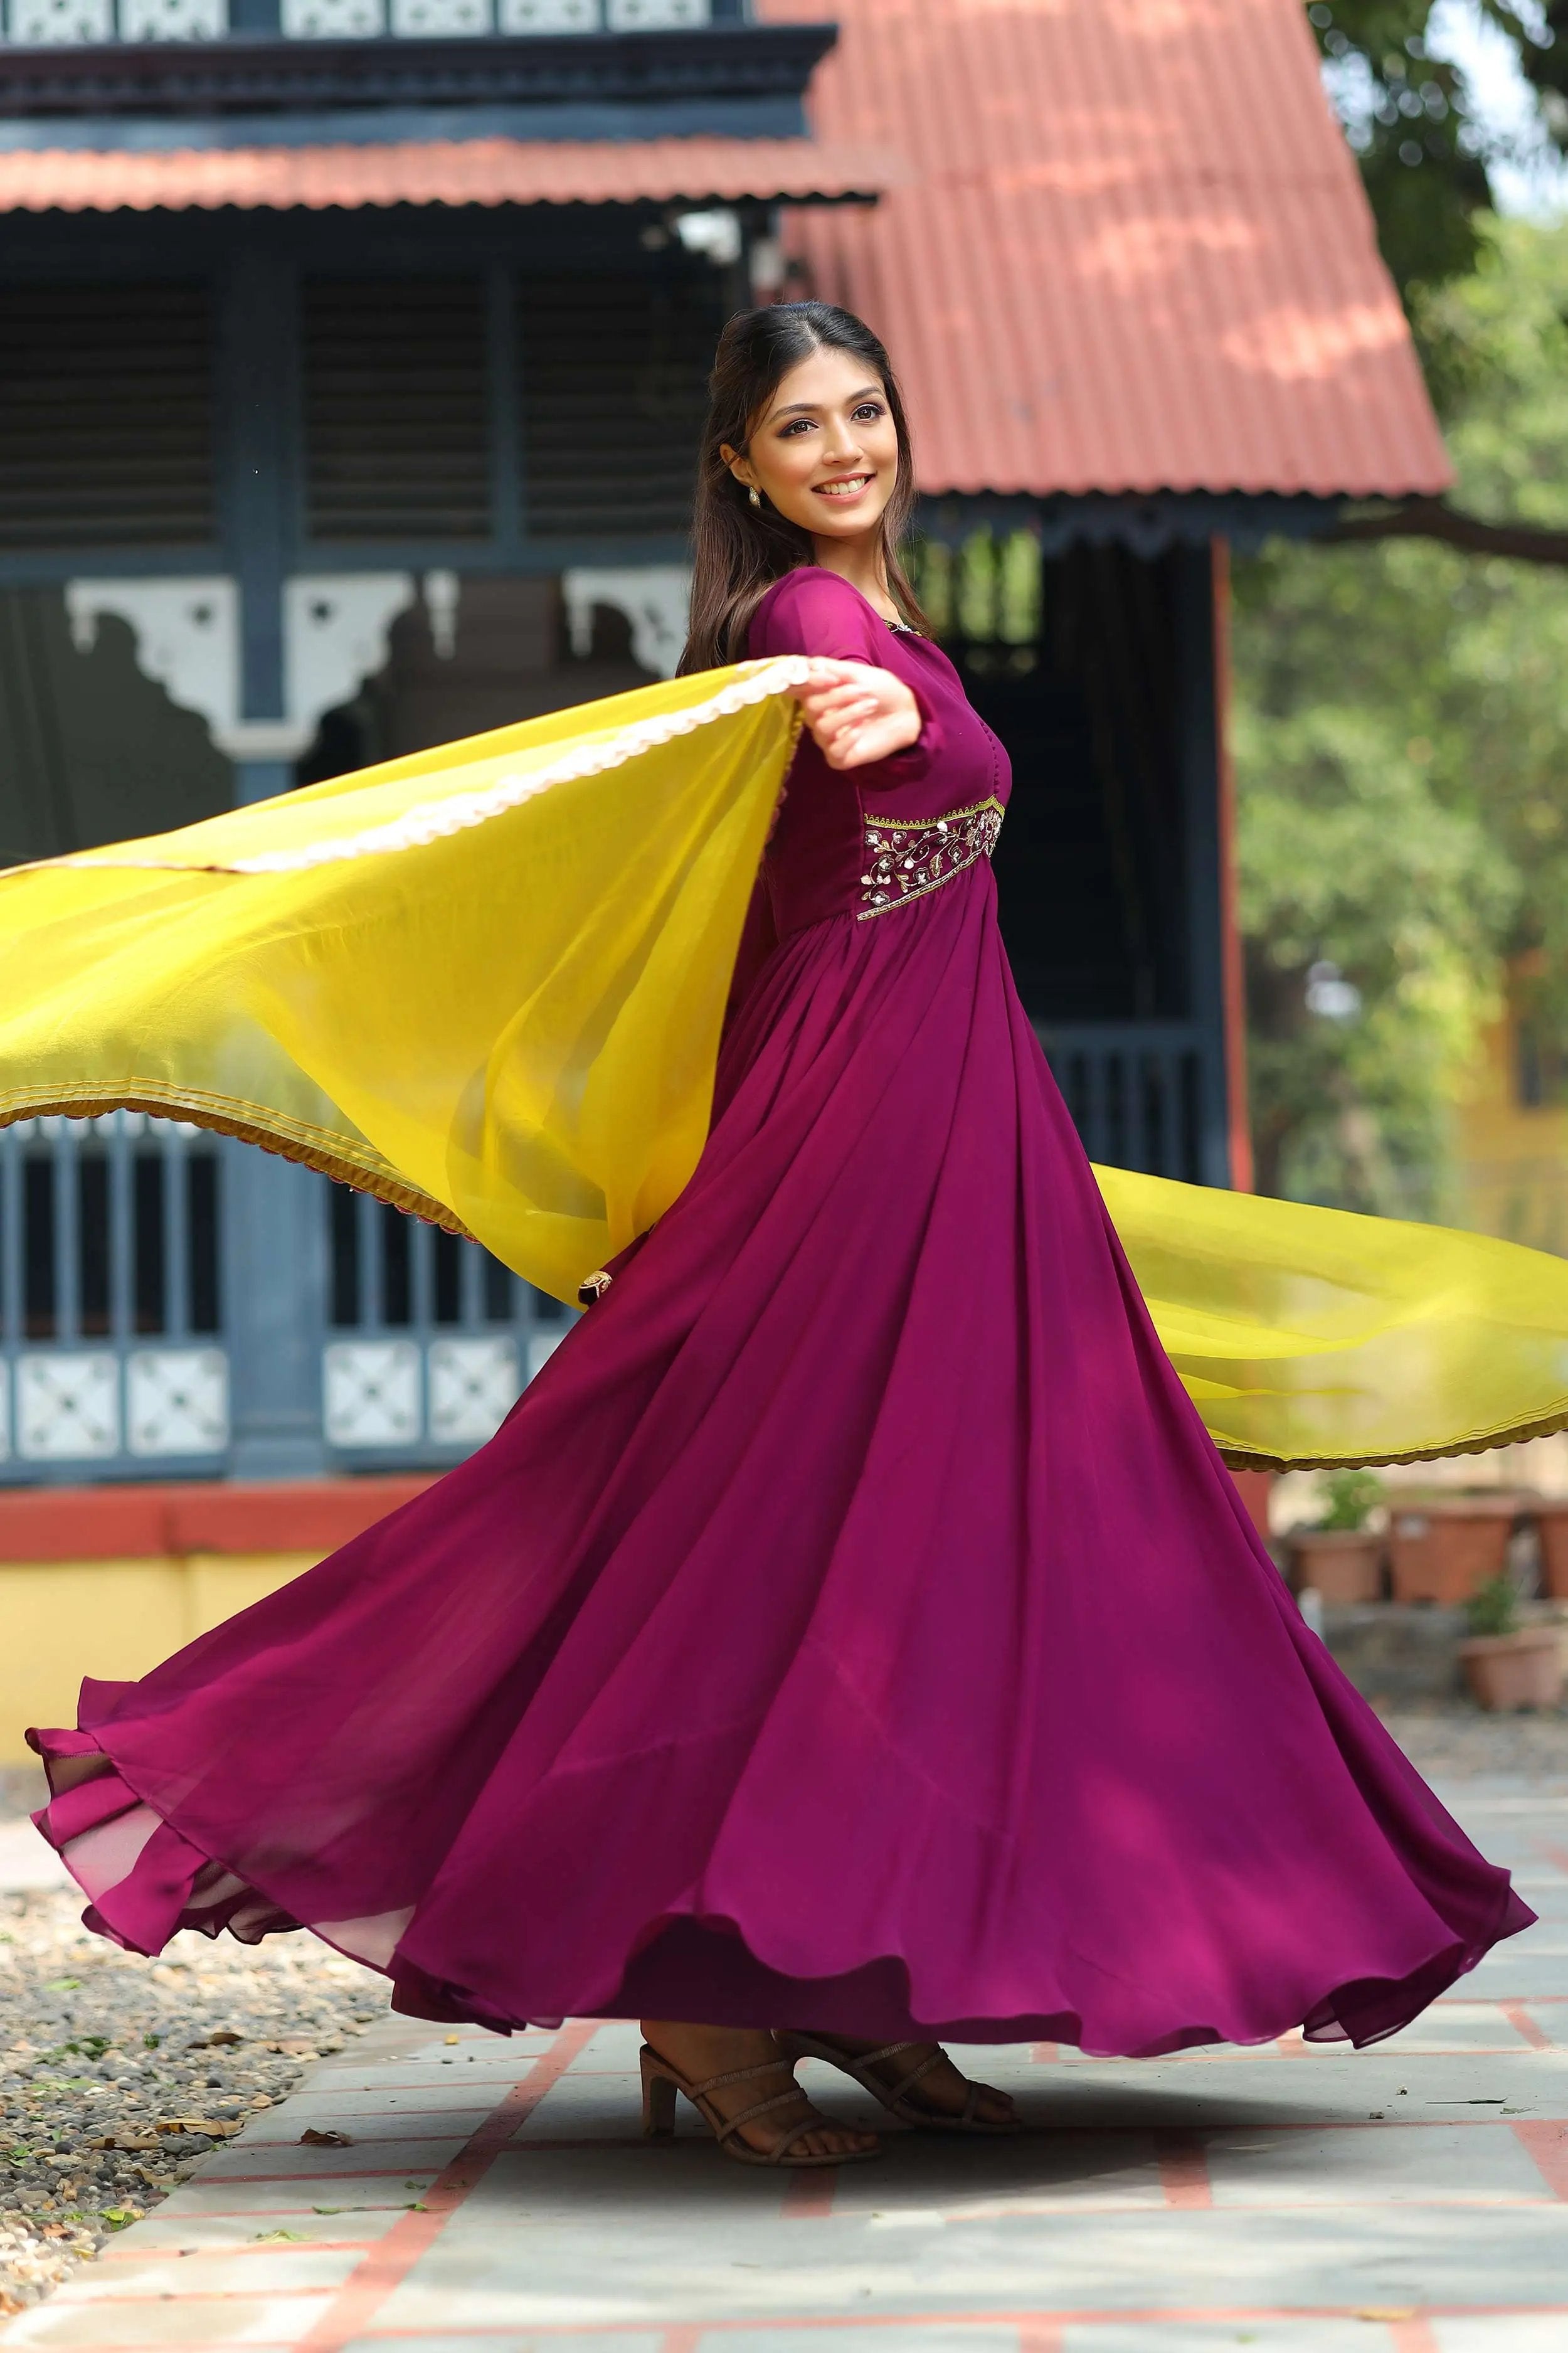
(853, 1636)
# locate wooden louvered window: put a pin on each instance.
(396, 408)
(614, 389)
(106, 415)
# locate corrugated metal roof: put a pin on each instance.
(440, 172)
(1123, 246)
(1133, 253)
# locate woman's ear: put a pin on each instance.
(738, 466)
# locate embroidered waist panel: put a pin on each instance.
(907, 857)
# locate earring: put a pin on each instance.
(756, 496)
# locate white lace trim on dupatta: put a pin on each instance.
(429, 821)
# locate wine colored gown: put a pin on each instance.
(853, 1626)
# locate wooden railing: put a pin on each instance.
(1146, 1096)
(153, 1293)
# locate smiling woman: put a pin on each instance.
(853, 1635)
(805, 414)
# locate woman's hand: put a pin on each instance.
(856, 714)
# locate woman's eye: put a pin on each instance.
(799, 426)
(869, 409)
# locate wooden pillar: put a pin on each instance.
(274, 1215)
(1199, 755)
(1233, 975)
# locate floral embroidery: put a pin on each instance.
(907, 857)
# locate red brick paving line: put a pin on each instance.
(1545, 2139)
(809, 2192)
(683, 2335)
(310, 2247)
(1499, 2002)
(350, 2173)
(1184, 2170)
(1518, 2016)
(1022, 2208)
(1182, 2165)
(390, 2261)
(1410, 2332)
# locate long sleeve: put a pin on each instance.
(814, 612)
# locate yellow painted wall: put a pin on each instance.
(1513, 1160)
(62, 1620)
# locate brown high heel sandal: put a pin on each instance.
(661, 2081)
(895, 2097)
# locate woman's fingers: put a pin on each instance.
(839, 695)
(826, 714)
(830, 722)
(856, 712)
(871, 739)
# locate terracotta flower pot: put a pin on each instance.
(1342, 1565)
(1551, 1519)
(1522, 1669)
(1253, 1487)
(1442, 1551)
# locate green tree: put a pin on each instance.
(1422, 155)
(1405, 113)
(1402, 742)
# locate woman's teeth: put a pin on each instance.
(847, 490)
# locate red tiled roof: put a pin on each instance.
(1133, 255)
(439, 172)
(1124, 246)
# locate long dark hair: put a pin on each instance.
(739, 550)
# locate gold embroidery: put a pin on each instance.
(907, 857)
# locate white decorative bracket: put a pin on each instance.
(336, 627)
(186, 632)
(655, 599)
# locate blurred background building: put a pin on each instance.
(351, 354)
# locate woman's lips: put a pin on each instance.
(845, 487)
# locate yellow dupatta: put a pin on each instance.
(486, 982)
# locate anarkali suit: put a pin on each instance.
(854, 1626)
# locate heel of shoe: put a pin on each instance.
(658, 2099)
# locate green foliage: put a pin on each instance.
(1422, 157)
(1405, 113)
(1350, 1499)
(1349, 861)
(1402, 749)
(1493, 1607)
(985, 590)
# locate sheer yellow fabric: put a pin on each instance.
(1312, 1336)
(486, 984)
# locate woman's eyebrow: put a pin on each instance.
(810, 408)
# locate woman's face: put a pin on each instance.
(824, 450)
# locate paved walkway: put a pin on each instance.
(27, 1862)
(494, 2198)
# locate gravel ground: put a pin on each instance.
(1454, 1744)
(116, 2073)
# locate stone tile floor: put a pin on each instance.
(493, 2196)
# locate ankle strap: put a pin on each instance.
(742, 2075)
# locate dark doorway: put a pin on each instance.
(1090, 868)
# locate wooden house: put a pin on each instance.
(350, 358)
